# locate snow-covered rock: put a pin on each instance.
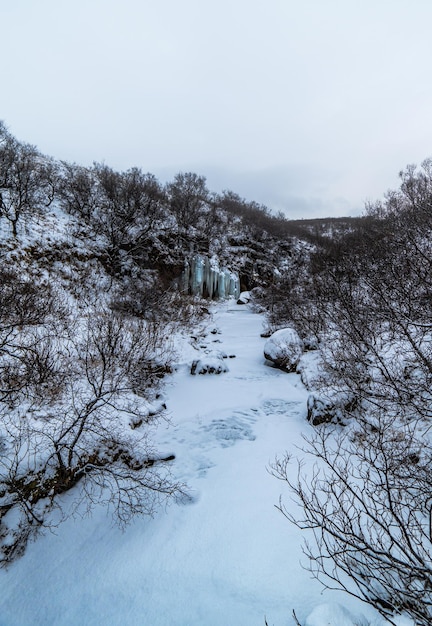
(310, 369)
(284, 349)
(244, 297)
(310, 343)
(329, 406)
(212, 363)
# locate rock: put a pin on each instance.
(266, 333)
(309, 369)
(244, 297)
(310, 343)
(209, 364)
(330, 406)
(284, 348)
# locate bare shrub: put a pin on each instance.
(366, 503)
(93, 435)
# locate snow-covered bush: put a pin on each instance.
(368, 502)
(284, 348)
(76, 403)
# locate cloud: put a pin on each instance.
(304, 106)
(299, 190)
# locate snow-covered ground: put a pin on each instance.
(226, 558)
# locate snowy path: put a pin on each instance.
(229, 558)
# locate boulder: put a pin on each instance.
(244, 297)
(209, 364)
(329, 406)
(284, 349)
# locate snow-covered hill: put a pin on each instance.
(121, 389)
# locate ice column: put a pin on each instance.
(203, 277)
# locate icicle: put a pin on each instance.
(197, 275)
(221, 285)
(202, 276)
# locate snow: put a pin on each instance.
(334, 615)
(284, 348)
(227, 557)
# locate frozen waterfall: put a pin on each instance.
(203, 277)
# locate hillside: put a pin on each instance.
(93, 290)
(116, 294)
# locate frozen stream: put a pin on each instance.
(227, 559)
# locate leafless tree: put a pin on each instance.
(129, 205)
(367, 499)
(366, 502)
(78, 191)
(27, 180)
(187, 195)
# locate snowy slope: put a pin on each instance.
(228, 557)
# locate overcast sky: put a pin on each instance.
(308, 106)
